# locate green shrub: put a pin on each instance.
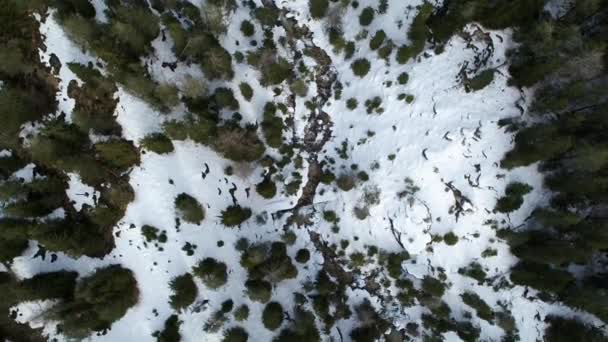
(475, 271)
(266, 15)
(184, 291)
(247, 28)
(483, 310)
(346, 182)
(541, 276)
(417, 34)
(234, 215)
(560, 329)
(377, 40)
(367, 16)
(318, 8)
(299, 88)
(302, 328)
(189, 209)
(224, 98)
(246, 90)
(238, 144)
(352, 103)
(513, 198)
(150, 233)
(212, 272)
(52, 285)
(403, 78)
(258, 290)
(480, 81)
(276, 72)
(241, 313)
(266, 188)
(118, 154)
(158, 143)
(302, 256)
(450, 239)
(433, 286)
(360, 67)
(170, 331)
(394, 262)
(272, 316)
(272, 126)
(236, 334)
(99, 300)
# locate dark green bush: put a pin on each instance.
(272, 316)
(346, 182)
(258, 290)
(403, 78)
(302, 256)
(246, 90)
(474, 270)
(360, 67)
(450, 239)
(318, 8)
(266, 188)
(236, 334)
(170, 333)
(247, 28)
(483, 309)
(513, 198)
(99, 300)
(238, 144)
(117, 154)
(158, 143)
(352, 103)
(234, 215)
(272, 126)
(480, 81)
(433, 286)
(417, 34)
(241, 313)
(184, 291)
(377, 40)
(542, 277)
(560, 329)
(212, 272)
(189, 209)
(367, 16)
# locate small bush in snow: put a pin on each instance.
(367, 16)
(302, 256)
(433, 286)
(158, 143)
(450, 239)
(236, 334)
(266, 188)
(241, 313)
(318, 8)
(247, 28)
(234, 215)
(258, 290)
(189, 209)
(213, 273)
(184, 291)
(513, 198)
(272, 316)
(360, 67)
(246, 91)
(346, 182)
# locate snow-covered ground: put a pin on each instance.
(447, 143)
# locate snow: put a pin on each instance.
(80, 193)
(443, 137)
